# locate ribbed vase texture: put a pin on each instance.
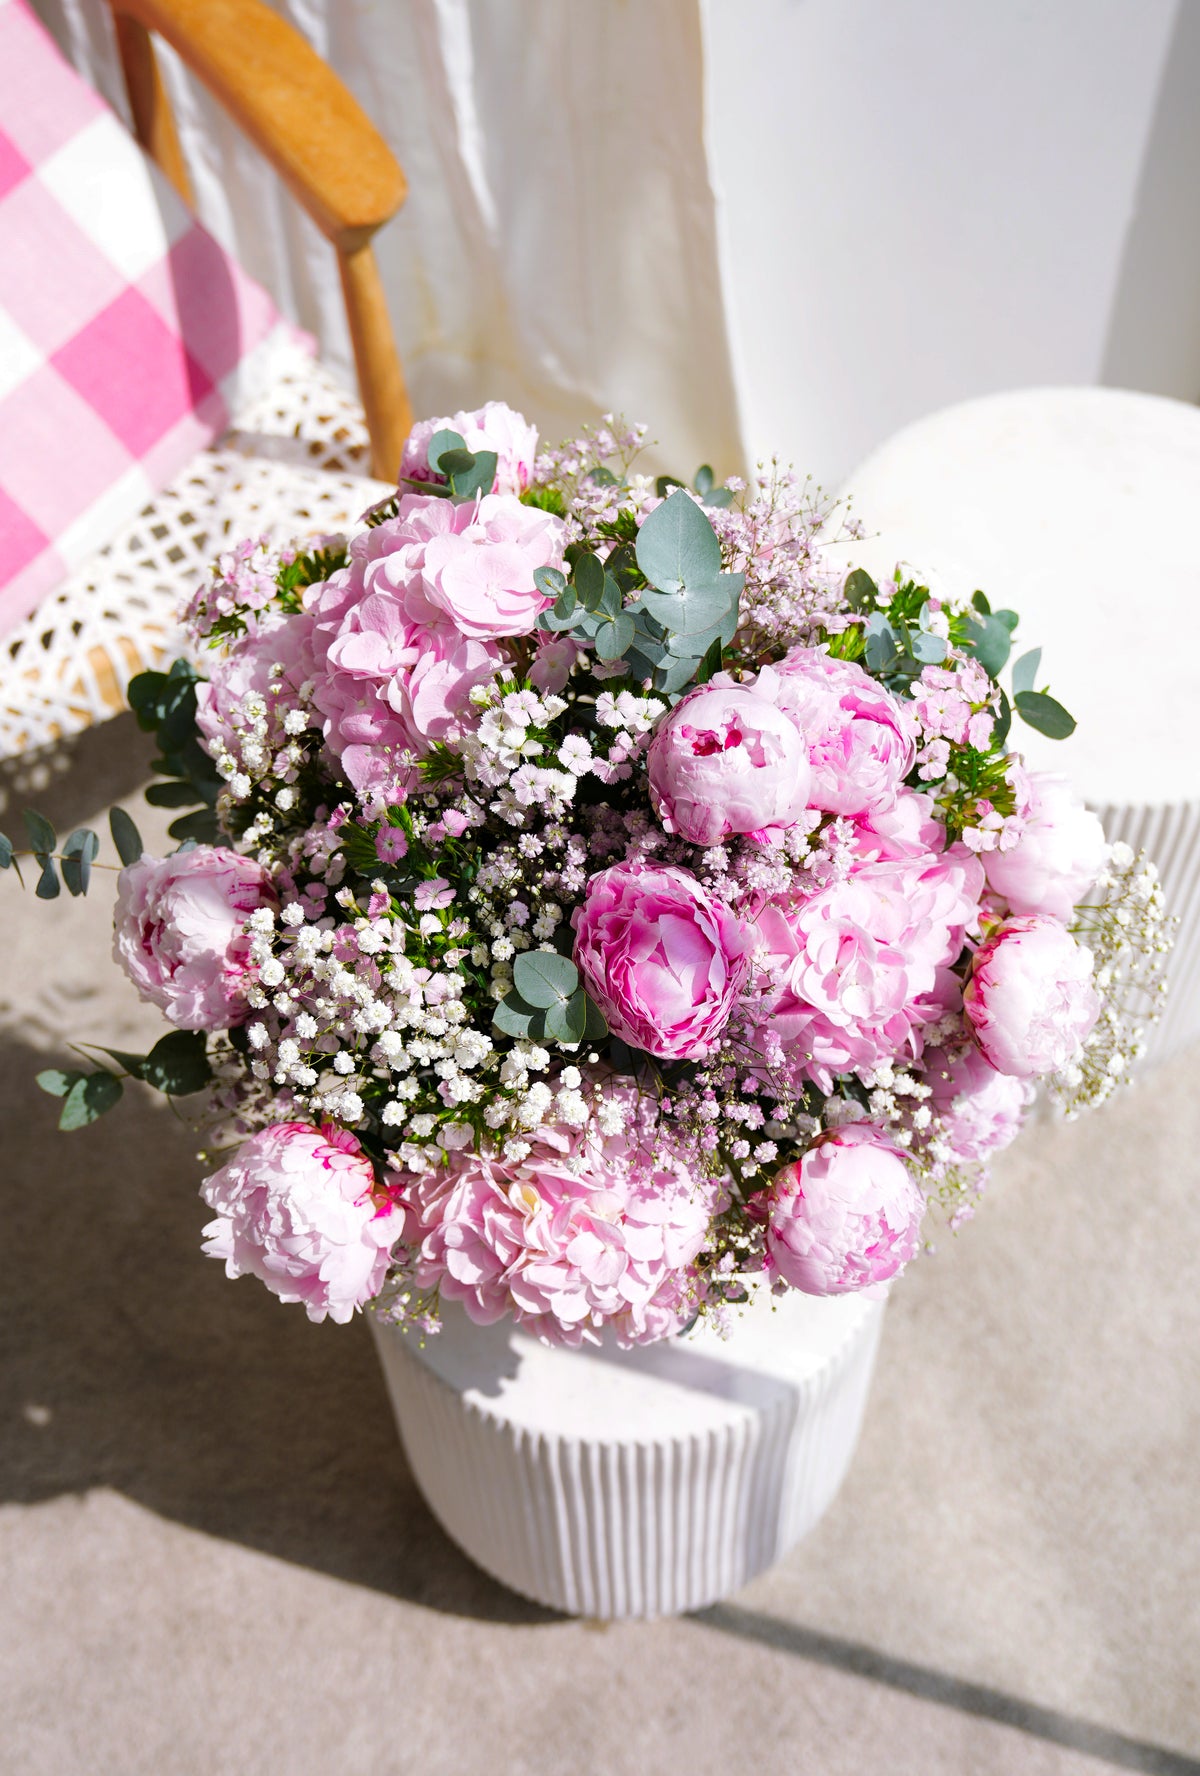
(613, 1483)
(1170, 835)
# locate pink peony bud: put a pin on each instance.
(179, 932)
(663, 960)
(846, 1216)
(298, 1208)
(494, 427)
(726, 760)
(1030, 998)
(1058, 856)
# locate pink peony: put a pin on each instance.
(247, 666)
(981, 1111)
(392, 675)
(1030, 998)
(863, 964)
(585, 1231)
(479, 572)
(1058, 856)
(298, 1208)
(846, 1216)
(179, 932)
(494, 427)
(726, 760)
(663, 960)
(860, 740)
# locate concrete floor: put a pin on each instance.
(213, 1558)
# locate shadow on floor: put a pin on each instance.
(129, 1360)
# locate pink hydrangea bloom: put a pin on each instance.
(493, 427)
(726, 760)
(585, 1231)
(981, 1111)
(862, 965)
(908, 828)
(392, 674)
(664, 961)
(479, 572)
(1060, 852)
(246, 666)
(846, 1216)
(179, 932)
(1030, 998)
(298, 1208)
(861, 741)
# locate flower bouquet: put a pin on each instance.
(600, 906)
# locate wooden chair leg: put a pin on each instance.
(380, 378)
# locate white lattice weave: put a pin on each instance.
(294, 463)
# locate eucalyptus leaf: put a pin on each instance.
(704, 479)
(595, 1023)
(860, 591)
(566, 1020)
(589, 581)
(125, 836)
(1010, 619)
(202, 827)
(694, 609)
(442, 442)
(6, 852)
(513, 1017)
(175, 794)
(42, 836)
(674, 675)
(77, 854)
(178, 1064)
(48, 884)
(544, 978)
(929, 649)
(603, 477)
(665, 483)
(1024, 672)
(611, 600)
(551, 583)
(1045, 714)
(89, 1098)
(57, 1081)
(132, 1063)
(979, 600)
(677, 546)
(1003, 721)
(711, 663)
(614, 637)
(990, 642)
(720, 496)
(479, 477)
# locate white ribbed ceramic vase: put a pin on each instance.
(612, 1483)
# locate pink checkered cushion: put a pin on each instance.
(128, 338)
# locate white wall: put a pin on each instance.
(926, 201)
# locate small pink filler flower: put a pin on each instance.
(179, 932)
(1030, 998)
(846, 1216)
(298, 1208)
(663, 960)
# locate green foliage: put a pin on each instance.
(1024, 670)
(546, 499)
(165, 705)
(547, 1003)
(125, 836)
(177, 1064)
(1045, 714)
(6, 854)
(307, 570)
(85, 1096)
(78, 853)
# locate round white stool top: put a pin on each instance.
(1080, 509)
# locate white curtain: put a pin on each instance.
(760, 225)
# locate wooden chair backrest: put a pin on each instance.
(316, 136)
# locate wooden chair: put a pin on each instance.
(305, 457)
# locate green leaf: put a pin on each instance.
(979, 600)
(614, 637)
(42, 836)
(990, 642)
(674, 675)
(89, 1098)
(566, 1020)
(48, 885)
(595, 1023)
(58, 1080)
(665, 483)
(202, 826)
(695, 608)
(1024, 672)
(711, 663)
(677, 546)
(1010, 619)
(6, 852)
(603, 477)
(860, 590)
(173, 795)
(132, 1063)
(513, 1017)
(544, 978)
(1003, 721)
(589, 581)
(1045, 714)
(881, 643)
(477, 476)
(929, 649)
(720, 496)
(178, 1064)
(704, 479)
(125, 836)
(551, 583)
(442, 441)
(77, 854)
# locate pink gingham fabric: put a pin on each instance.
(128, 337)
